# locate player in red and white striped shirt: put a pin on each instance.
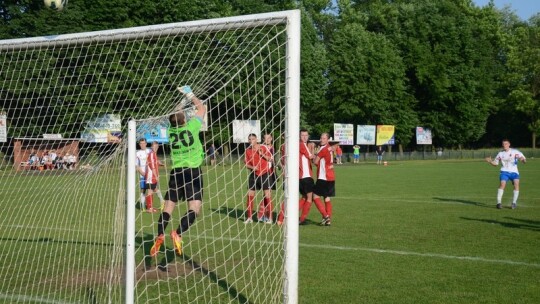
(265, 206)
(257, 160)
(152, 177)
(325, 186)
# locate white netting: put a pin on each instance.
(63, 224)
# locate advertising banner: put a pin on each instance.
(344, 133)
(385, 135)
(423, 136)
(153, 131)
(242, 129)
(103, 129)
(3, 127)
(365, 135)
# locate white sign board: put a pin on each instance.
(242, 129)
(344, 133)
(3, 127)
(106, 128)
(365, 135)
(423, 136)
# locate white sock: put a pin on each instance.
(160, 196)
(499, 195)
(142, 199)
(514, 199)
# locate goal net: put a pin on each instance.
(72, 111)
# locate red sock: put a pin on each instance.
(250, 206)
(301, 203)
(281, 214)
(262, 208)
(320, 206)
(305, 211)
(328, 205)
(149, 201)
(269, 208)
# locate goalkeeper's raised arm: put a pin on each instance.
(188, 93)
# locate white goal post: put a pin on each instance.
(75, 227)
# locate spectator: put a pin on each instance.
(339, 154)
(212, 153)
(380, 153)
(356, 154)
(46, 161)
(59, 163)
(53, 156)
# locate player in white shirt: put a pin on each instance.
(141, 164)
(508, 158)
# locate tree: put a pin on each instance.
(523, 77)
(367, 78)
(450, 51)
(315, 114)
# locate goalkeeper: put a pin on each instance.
(185, 180)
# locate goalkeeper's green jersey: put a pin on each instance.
(186, 148)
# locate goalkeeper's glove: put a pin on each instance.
(186, 90)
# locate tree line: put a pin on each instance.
(471, 74)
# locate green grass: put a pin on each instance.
(409, 232)
(424, 232)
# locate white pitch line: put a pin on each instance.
(23, 298)
(387, 251)
(429, 255)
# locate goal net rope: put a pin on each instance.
(68, 187)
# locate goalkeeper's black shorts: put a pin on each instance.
(185, 184)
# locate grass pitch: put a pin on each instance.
(424, 232)
(409, 232)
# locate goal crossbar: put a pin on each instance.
(217, 25)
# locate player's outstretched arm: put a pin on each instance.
(201, 109)
(490, 161)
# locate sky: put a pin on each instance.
(523, 8)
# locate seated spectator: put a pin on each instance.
(33, 160)
(53, 156)
(59, 163)
(70, 160)
(46, 161)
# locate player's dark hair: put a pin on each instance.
(142, 139)
(252, 134)
(303, 130)
(177, 119)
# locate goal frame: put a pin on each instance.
(292, 129)
(291, 20)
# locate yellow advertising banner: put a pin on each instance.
(385, 135)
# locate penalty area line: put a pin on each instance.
(24, 298)
(429, 255)
(387, 251)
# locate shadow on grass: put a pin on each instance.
(221, 282)
(462, 201)
(168, 266)
(53, 240)
(534, 227)
(230, 212)
(239, 214)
